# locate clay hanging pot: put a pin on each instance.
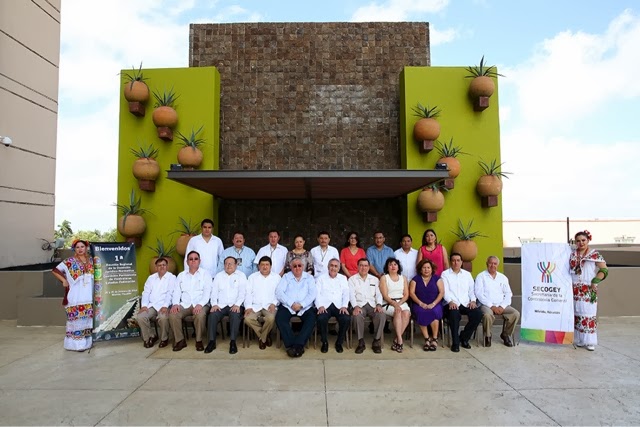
(467, 249)
(181, 244)
(190, 157)
(489, 185)
(171, 265)
(481, 86)
(430, 200)
(136, 91)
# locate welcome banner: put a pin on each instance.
(115, 294)
(547, 293)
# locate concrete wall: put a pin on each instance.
(29, 58)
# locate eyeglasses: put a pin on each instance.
(194, 259)
(297, 266)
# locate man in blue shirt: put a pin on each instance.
(378, 253)
(243, 255)
(296, 293)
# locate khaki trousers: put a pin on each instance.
(199, 322)
(510, 316)
(261, 330)
(378, 319)
(144, 320)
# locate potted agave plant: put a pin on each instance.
(482, 85)
(165, 252)
(448, 155)
(190, 156)
(489, 185)
(146, 169)
(131, 224)
(136, 91)
(186, 232)
(465, 245)
(431, 201)
(165, 116)
(427, 129)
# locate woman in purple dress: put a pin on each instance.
(426, 291)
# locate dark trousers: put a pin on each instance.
(343, 323)
(234, 322)
(283, 321)
(454, 316)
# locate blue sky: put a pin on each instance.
(569, 104)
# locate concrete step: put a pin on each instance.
(41, 311)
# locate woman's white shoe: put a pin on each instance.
(591, 347)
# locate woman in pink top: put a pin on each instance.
(350, 254)
(433, 251)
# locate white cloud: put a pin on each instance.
(397, 10)
(437, 37)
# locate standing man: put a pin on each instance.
(260, 300)
(366, 300)
(407, 256)
(190, 297)
(322, 254)
(275, 251)
(208, 246)
(296, 293)
(378, 253)
(494, 293)
(227, 295)
(156, 299)
(244, 255)
(332, 301)
(460, 296)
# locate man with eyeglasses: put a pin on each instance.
(366, 300)
(190, 297)
(227, 295)
(156, 299)
(332, 301)
(296, 293)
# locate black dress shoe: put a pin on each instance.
(180, 345)
(487, 341)
(146, 344)
(268, 341)
(261, 345)
(299, 350)
(455, 348)
(163, 343)
(153, 341)
(199, 346)
(210, 347)
(506, 339)
(325, 347)
(465, 344)
(361, 346)
(376, 346)
(291, 352)
(233, 348)
(339, 348)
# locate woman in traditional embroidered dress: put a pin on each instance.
(433, 251)
(588, 269)
(76, 275)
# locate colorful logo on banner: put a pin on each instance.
(546, 268)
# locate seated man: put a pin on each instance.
(227, 295)
(190, 297)
(156, 299)
(332, 301)
(260, 300)
(461, 299)
(366, 300)
(494, 293)
(296, 293)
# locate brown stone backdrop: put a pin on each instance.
(300, 96)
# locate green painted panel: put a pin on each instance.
(198, 105)
(478, 133)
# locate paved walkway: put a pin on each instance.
(122, 383)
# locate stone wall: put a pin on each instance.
(309, 96)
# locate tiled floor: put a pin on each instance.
(122, 383)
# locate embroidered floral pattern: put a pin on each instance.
(79, 312)
(77, 268)
(583, 292)
(79, 335)
(576, 262)
(585, 325)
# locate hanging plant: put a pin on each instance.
(165, 116)
(431, 201)
(165, 252)
(186, 230)
(465, 245)
(146, 169)
(190, 156)
(482, 85)
(136, 91)
(131, 224)
(448, 154)
(427, 129)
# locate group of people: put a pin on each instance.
(275, 285)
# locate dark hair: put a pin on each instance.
(237, 232)
(161, 259)
(454, 254)
(193, 252)
(300, 236)
(405, 235)
(424, 236)
(422, 263)
(324, 232)
(363, 259)
(265, 259)
(584, 233)
(389, 261)
(207, 221)
(85, 242)
(378, 232)
(274, 231)
(233, 258)
(346, 244)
